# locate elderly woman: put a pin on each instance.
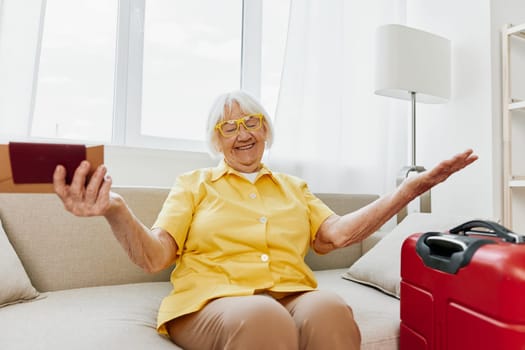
(238, 234)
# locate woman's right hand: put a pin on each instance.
(92, 199)
(152, 250)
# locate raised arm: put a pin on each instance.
(152, 250)
(340, 231)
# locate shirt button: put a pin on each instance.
(264, 258)
(263, 219)
(253, 195)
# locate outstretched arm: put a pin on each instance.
(152, 250)
(340, 231)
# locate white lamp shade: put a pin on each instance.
(411, 60)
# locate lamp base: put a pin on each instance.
(424, 199)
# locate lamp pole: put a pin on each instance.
(413, 65)
(425, 198)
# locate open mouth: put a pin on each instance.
(245, 147)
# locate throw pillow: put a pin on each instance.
(380, 267)
(15, 285)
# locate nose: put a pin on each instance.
(243, 132)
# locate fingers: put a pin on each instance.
(79, 178)
(104, 193)
(99, 188)
(443, 170)
(462, 160)
(93, 187)
(471, 157)
(59, 181)
(81, 199)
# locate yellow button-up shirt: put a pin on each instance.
(236, 237)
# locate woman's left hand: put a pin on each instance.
(340, 231)
(428, 179)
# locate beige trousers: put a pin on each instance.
(309, 320)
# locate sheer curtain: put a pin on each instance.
(20, 22)
(331, 130)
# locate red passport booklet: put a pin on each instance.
(36, 162)
(29, 167)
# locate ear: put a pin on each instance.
(218, 145)
(265, 128)
(215, 144)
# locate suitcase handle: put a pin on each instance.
(447, 253)
(487, 227)
(450, 244)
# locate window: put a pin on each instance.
(142, 72)
(192, 53)
(74, 89)
(275, 15)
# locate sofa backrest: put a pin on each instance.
(61, 251)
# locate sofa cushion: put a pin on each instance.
(376, 314)
(61, 251)
(109, 317)
(380, 267)
(124, 317)
(15, 285)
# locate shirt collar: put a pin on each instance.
(222, 169)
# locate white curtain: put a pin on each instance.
(20, 22)
(331, 130)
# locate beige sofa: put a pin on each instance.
(92, 297)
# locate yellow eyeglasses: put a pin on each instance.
(229, 128)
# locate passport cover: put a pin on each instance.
(36, 162)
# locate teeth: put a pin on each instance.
(245, 147)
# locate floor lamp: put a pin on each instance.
(412, 65)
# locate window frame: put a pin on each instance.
(127, 102)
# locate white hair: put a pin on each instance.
(248, 105)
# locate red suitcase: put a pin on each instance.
(464, 289)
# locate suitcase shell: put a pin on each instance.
(480, 305)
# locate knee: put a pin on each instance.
(253, 322)
(318, 305)
(262, 316)
(322, 313)
(263, 323)
(329, 310)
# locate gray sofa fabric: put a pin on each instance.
(92, 296)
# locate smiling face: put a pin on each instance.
(244, 151)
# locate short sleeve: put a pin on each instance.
(318, 211)
(177, 212)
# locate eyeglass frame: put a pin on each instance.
(239, 121)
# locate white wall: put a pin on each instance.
(472, 118)
(130, 166)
